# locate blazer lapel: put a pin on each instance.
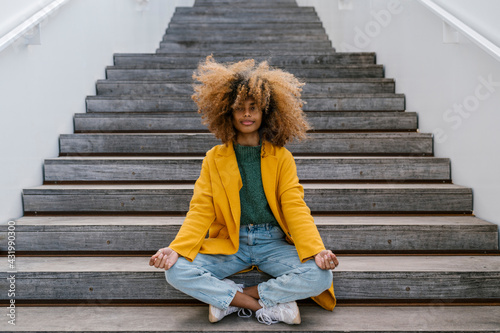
(227, 167)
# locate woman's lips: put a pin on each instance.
(247, 122)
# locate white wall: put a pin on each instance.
(42, 86)
(455, 88)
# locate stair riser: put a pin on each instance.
(249, 38)
(320, 121)
(347, 103)
(242, 19)
(217, 26)
(189, 170)
(237, 10)
(337, 238)
(334, 143)
(348, 285)
(318, 200)
(281, 61)
(366, 71)
(235, 30)
(214, 47)
(249, 53)
(110, 88)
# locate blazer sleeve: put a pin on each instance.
(296, 213)
(200, 216)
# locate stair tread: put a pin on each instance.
(436, 318)
(55, 222)
(145, 188)
(356, 263)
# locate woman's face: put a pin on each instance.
(247, 118)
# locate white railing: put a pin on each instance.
(460, 26)
(31, 24)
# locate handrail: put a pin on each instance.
(30, 23)
(470, 33)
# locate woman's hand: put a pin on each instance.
(326, 260)
(164, 258)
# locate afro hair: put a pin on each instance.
(222, 88)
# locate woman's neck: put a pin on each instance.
(252, 139)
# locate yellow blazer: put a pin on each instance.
(215, 208)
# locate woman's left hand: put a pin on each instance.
(326, 260)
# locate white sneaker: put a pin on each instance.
(215, 314)
(285, 312)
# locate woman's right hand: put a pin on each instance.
(164, 258)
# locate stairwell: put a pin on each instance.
(413, 257)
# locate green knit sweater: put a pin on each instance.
(254, 206)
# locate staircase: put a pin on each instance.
(412, 255)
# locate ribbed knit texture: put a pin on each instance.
(254, 206)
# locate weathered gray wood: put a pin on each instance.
(166, 103)
(337, 198)
(336, 71)
(162, 59)
(371, 277)
(247, 38)
(237, 10)
(176, 47)
(466, 319)
(246, 17)
(191, 121)
(174, 169)
(328, 86)
(220, 27)
(200, 143)
(340, 233)
(193, 30)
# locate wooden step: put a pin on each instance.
(229, 10)
(168, 198)
(193, 30)
(364, 319)
(220, 27)
(249, 18)
(158, 60)
(199, 143)
(187, 169)
(166, 103)
(334, 71)
(395, 278)
(247, 38)
(191, 121)
(250, 53)
(344, 234)
(180, 47)
(325, 88)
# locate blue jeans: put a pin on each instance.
(263, 246)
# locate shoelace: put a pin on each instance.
(242, 314)
(264, 318)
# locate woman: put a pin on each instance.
(249, 201)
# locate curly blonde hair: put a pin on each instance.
(222, 88)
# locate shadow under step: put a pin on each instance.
(326, 198)
(187, 169)
(341, 234)
(375, 278)
(415, 144)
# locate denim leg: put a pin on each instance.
(201, 279)
(292, 280)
